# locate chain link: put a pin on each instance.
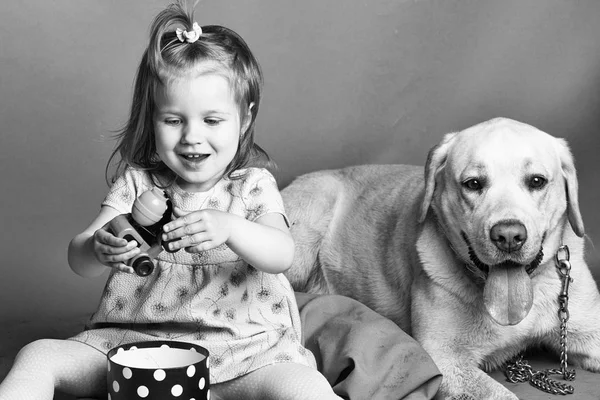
(519, 370)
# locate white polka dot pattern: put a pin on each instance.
(187, 378)
(143, 391)
(191, 371)
(176, 390)
(160, 375)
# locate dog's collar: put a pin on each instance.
(484, 268)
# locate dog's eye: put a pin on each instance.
(473, 184)
(537, 182)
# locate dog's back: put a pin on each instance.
(343, 221)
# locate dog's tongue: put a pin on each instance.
(508, 294)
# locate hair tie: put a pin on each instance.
(191, 36)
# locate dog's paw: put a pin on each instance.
(467, 396)
(479, 386)
(463, 396)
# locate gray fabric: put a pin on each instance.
(362, 354)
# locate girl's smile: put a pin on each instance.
(194, 160)
(197, 129)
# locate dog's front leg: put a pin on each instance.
(462, 378)
(457, 339)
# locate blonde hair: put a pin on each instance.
(218, 50)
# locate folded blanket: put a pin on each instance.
(362, 354)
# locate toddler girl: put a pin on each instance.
(190, 133)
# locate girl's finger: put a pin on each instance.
(121, 257)
(182, 219)
(108, 238)
(112, 249)
(188, 240)
(186, 230)
(204, 246)
(122, 267)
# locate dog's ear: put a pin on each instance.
(571, 187)
(436, 159)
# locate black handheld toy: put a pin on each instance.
(150, 212)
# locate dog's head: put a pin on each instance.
(502, 192)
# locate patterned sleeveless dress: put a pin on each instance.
(247, 319)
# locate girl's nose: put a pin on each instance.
(192, 134)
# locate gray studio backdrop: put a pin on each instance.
(347, 82)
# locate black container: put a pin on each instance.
(158, 370)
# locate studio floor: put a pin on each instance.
(16, 334)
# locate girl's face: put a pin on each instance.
(197, 127)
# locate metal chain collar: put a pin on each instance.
(519, 370)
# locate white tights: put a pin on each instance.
(80, 370)
(277, 382)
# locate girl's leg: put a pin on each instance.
(282, 381)
(47, 364)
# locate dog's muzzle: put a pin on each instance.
(484, 268)
(507, 291)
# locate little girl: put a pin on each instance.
(190, 133)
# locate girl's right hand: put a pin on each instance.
(113, 251)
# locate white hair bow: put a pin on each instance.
(191, 36)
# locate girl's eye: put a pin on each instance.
(537, 182)
(473, 184)
(212, 121)
(172, 122)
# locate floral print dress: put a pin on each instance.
(247, 319)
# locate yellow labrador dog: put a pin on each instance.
(462, 254)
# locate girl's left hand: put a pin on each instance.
(197, 231)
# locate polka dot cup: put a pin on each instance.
(158, 370)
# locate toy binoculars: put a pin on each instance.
(150, 212)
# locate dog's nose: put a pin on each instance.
(508, 235)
